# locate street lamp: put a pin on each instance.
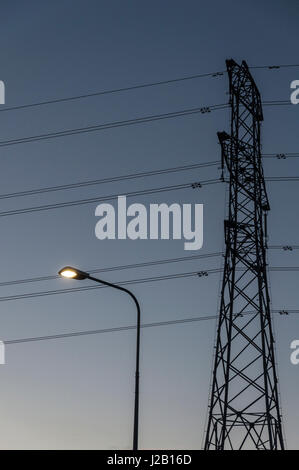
(73, 273)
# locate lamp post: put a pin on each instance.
(73, 273)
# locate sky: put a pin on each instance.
(78, 393)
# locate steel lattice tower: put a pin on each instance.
(244, 408)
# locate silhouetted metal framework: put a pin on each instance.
(244, 408)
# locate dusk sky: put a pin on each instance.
(78, 392)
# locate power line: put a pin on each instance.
(84, 288)
(80, 184)
(282, 178)
(284, 269)
(78, 202)
(200, 274)
(112, 179)
(124, 123)
(130, 327)
(284, 247)
(113, 91)
(273, 66)
(117, 268)
(276, 103)
(136, 87)
(281, 156)
(114, 124)
(138, 265)
(106, 330)
(144, 192)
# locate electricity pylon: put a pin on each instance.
(244, 410)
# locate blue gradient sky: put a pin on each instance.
(78, 393)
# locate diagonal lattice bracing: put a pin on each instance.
(244, 406)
